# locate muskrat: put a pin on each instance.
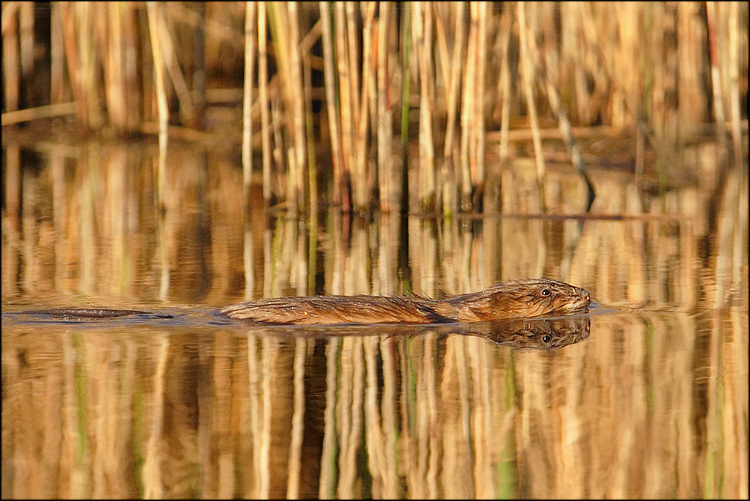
(514, 299)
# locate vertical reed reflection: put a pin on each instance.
(327, 484)
(152, 473)
(432, 413)
(381, 415)
(298, 416)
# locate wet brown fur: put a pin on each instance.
(515, 299)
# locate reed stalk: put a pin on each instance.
(312, 168)
(280, 155)
(133, 92)
(265, 123)
(333, 116)
(472, 116)
(199, 68)
(664, 121)
(353, 53)
(57, 56)
(451, 158)
(87, 37)
(467, 115)
(361, 146)
(28, 114)
(114, 86)
(690, 46)
(248, 253)
(356, 142)
(405, 92)
(386, 171)
(479, 16)
(733, 20)
(285, 33)
(187, 110)
(155, 32)
(345, 101)
(422, 33)
(71, 56)
(11, 63)
(296, 88)
(528, 79)
(26, 38)
(449, 72)
(247, 97)
(715, 58)
(506, 25)
(372, 83)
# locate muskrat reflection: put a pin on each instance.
(534, 334)
(529, 334)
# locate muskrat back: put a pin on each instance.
(514, 299)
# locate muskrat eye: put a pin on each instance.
(546, 292)
(546, 338)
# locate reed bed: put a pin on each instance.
(331, 85)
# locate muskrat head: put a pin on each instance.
(535, 297)
(520, 299)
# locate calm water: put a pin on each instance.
(647, 396)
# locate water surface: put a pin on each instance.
(647, 398)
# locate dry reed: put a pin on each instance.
(386, 170)
(265, 124)
(421, 32)
(528, 82)
(247, 95)
(333, 116)
(466, 59)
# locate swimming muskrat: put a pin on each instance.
(514, 299)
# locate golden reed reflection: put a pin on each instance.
(444, 411)
(177, 408)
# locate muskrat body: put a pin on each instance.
(507, 300)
